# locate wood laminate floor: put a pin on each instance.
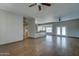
(46, 46)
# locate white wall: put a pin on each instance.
(11, 27)
(72, 27)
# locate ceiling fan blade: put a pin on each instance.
(33, 5)
(46, 4)
(39, 7)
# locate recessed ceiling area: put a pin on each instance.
(47, 14)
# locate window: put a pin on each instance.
(39, 28)
(64, 30)
(43, 28)
(58, 31)
(61, 30)
(48, 29)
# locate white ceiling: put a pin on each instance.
(64, 10)
(22, 8)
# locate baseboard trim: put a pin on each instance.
(10, 43)
(66, 36)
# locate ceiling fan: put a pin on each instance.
(60, 19)
(40, 5)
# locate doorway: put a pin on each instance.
(61, 30)
(25, 28)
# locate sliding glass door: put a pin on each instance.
(58, 30)
(61, 30)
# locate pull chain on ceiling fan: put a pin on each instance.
(40, 5)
